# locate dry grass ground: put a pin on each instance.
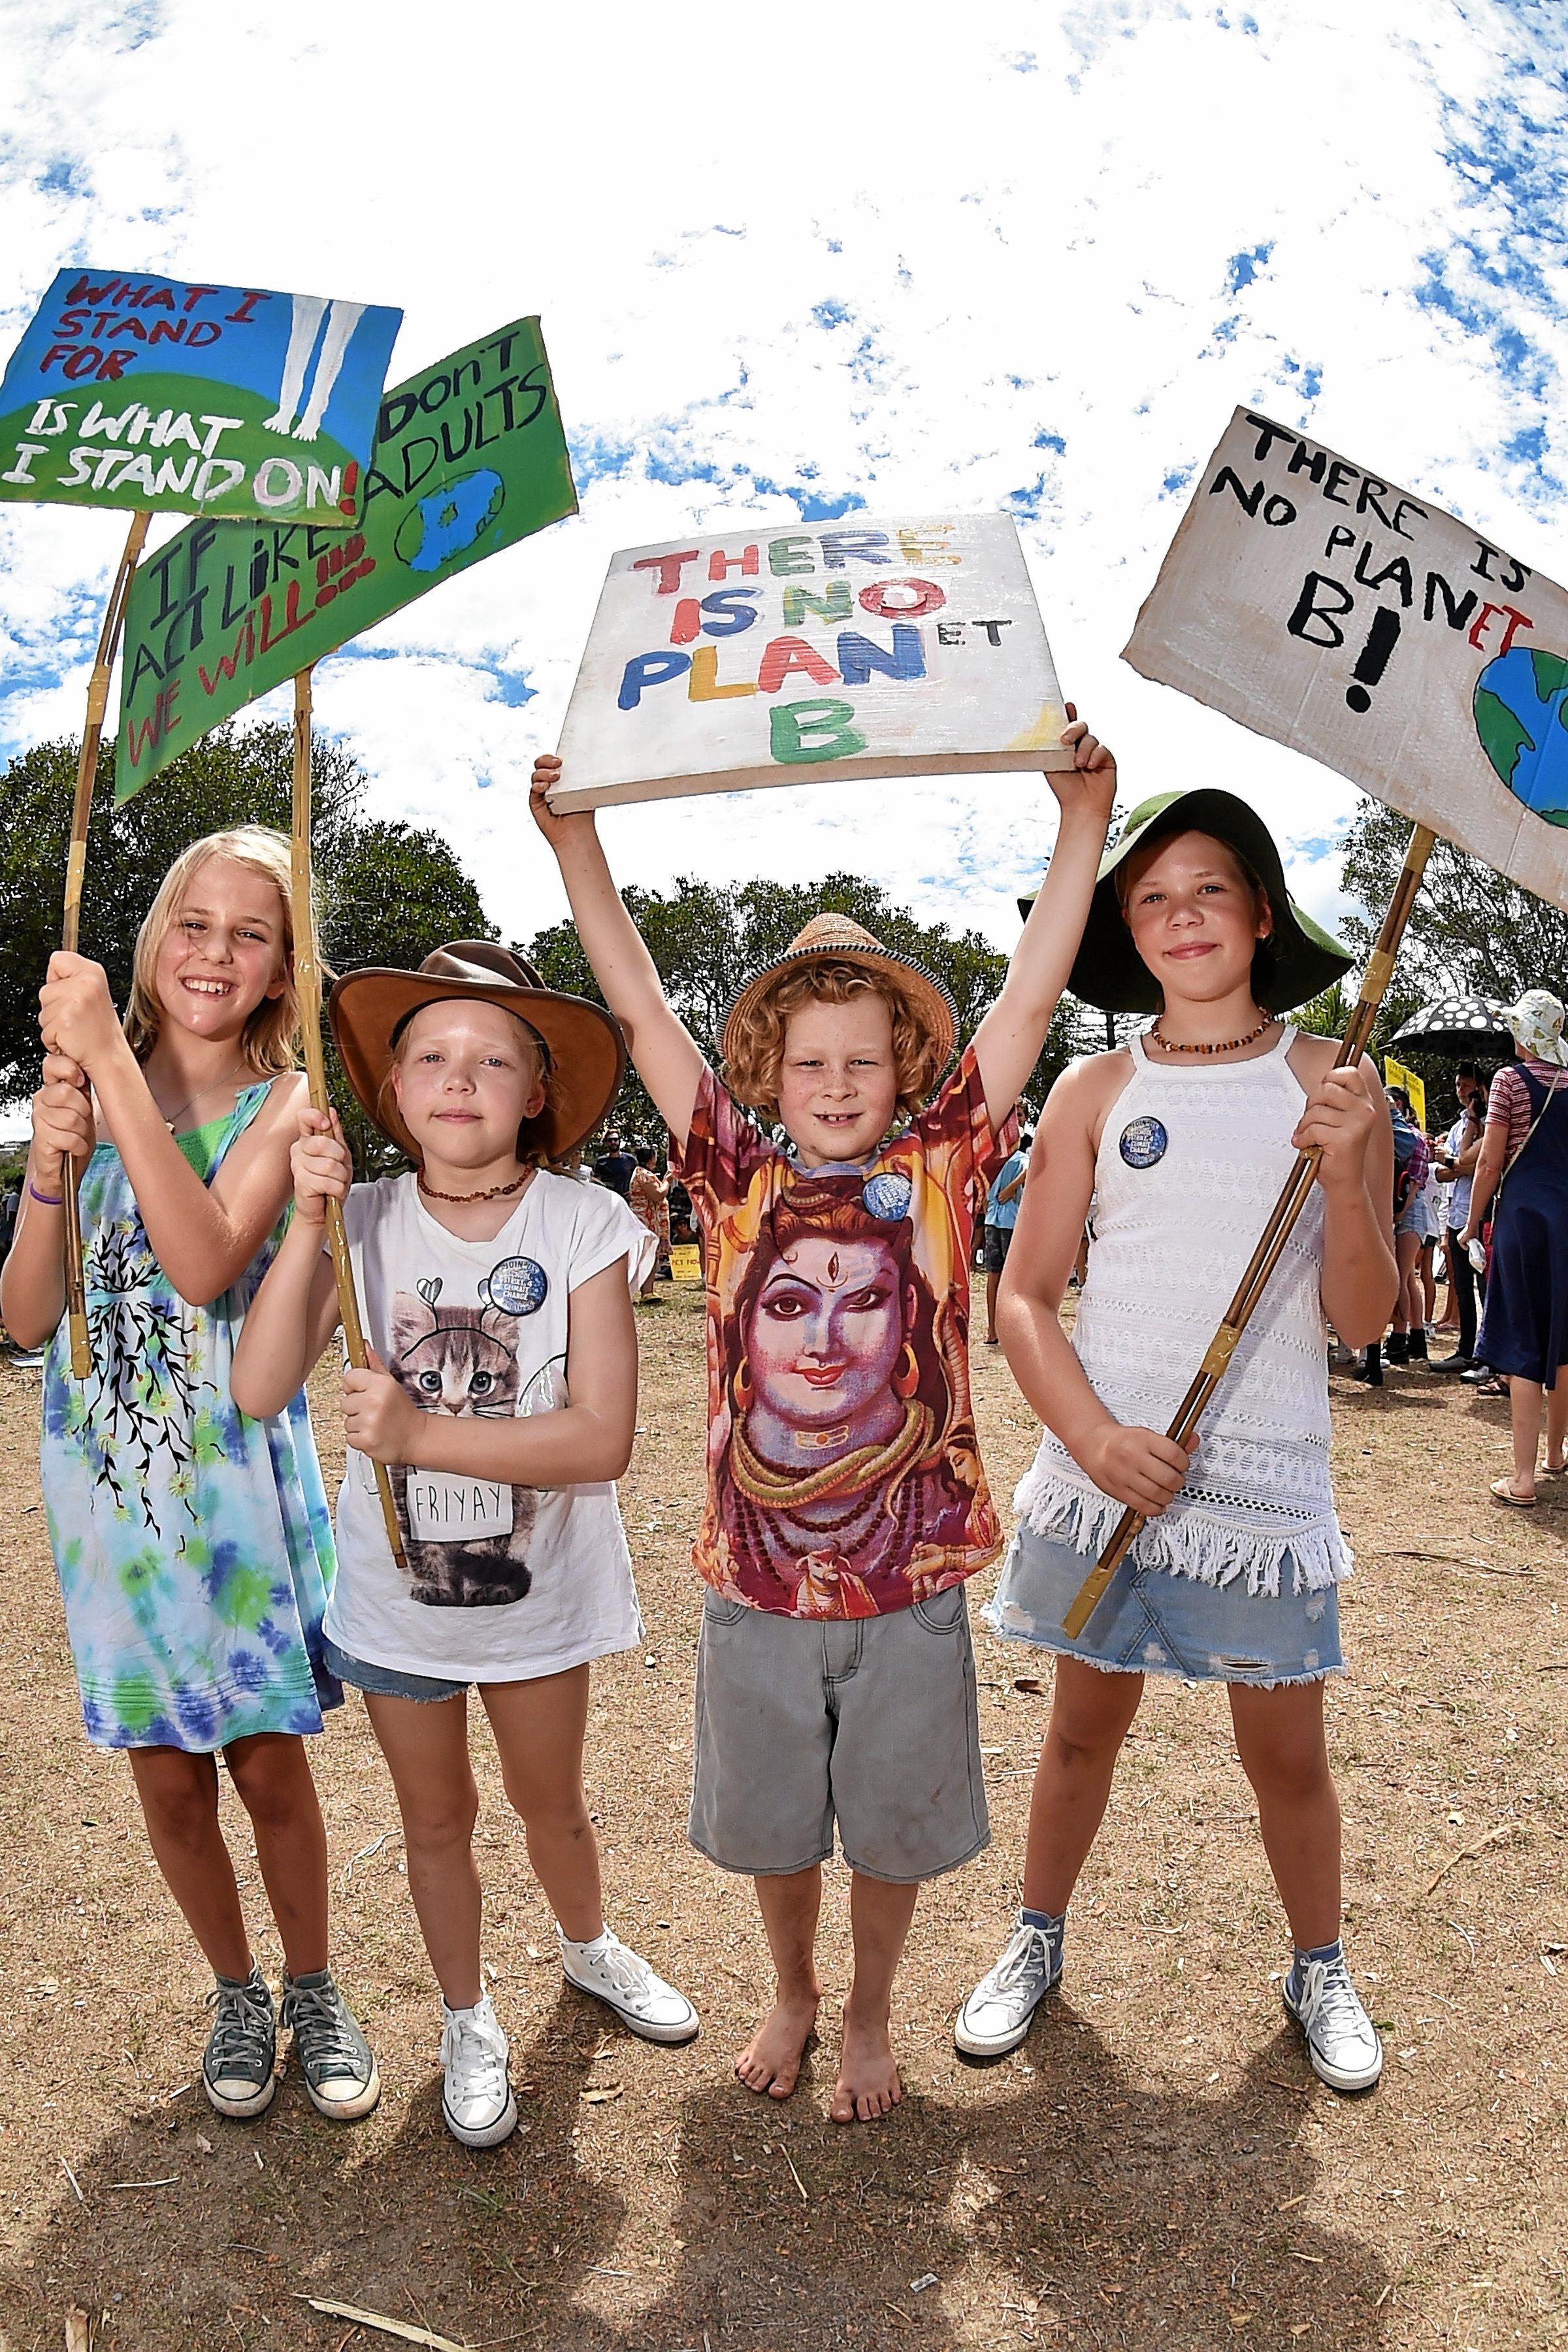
(1156, 2167)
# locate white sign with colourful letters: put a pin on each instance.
(787, 656)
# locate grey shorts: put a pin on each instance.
(871, 1721)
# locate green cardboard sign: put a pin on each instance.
(469, 456)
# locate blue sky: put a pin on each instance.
(910, 262)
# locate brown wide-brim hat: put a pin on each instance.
(837, 939)
(369, 1009)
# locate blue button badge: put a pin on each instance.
(1143, 1142)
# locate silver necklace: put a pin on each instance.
(170, 1118)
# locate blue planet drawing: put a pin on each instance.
(887, 1196)
(1143, 1142)
(518, 1285)
(449, 522)
(1522, 725)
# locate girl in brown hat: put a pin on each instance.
(846, 1505)
(501, 1395)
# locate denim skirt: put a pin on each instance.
(1149, 1621)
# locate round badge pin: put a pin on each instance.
(518, 1285)
(887, 1196)
(1143, 1142)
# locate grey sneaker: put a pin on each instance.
(475, 2097)
(1001, 2010)
(1341, 2041)
(238, 2072)
(625, 1982)
(334, 2056)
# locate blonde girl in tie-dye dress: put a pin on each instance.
(192, 1544)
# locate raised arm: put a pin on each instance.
(1008, 1042)
(295, 1312)
(585, 1442)
(1139, 1466)
(667, 1056)
(204, 1237)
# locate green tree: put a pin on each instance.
(706, 938)
(381, 885)
(1471, 933)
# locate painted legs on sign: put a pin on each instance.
(1280, 1738)
(179, 1795)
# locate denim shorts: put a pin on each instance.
(871, 1722)
(1151, 1623)
(386, 1681)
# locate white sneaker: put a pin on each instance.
(476, 2098)
(1001, 2010)
(617, 1976)
(1341, 2041)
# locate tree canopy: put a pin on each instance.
(706, 939)
(386, 890)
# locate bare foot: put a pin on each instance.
(868, 2081)
(771, 2059)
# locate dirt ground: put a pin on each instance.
(1156, 2167)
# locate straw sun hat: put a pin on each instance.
(587, 1053)
(837, 939)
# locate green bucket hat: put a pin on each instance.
(1109, 971)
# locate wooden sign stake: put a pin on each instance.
(1276, 1232)
(307, 984)
(76, 870)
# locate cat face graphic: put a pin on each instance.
(457, 1359)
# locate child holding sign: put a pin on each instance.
(1184, 1137)
(192, 1542)
(502, 1396)
(847, 1504)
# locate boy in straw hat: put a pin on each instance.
(846, 1502)
(502, 1394)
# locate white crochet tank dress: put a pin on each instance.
(1190, 1164)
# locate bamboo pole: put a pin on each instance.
(308, 984)
(1281, 1222)
(76, 870)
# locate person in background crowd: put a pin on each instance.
(1406, 1342)
(1522, 1175)
(1001, 1216)
(1456, 1156)
(613, 1167)
(649, 1200)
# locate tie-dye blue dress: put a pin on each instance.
(194, 1544)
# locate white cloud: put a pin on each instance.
(1024, 224)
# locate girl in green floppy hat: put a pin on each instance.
(1184, 1138)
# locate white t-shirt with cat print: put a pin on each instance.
(504, 1583)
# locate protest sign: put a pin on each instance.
(1395, 1074)
(469, 457)
(784, 657)
(172, 397)
(1324, 607)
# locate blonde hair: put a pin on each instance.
(271, 1033)
(531, 1149)
(757, 1043)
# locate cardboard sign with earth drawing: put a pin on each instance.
(1322, 606)
(169, 395)
(469, 457)
(780, 656)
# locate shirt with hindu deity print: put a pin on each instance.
(844, 1473)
